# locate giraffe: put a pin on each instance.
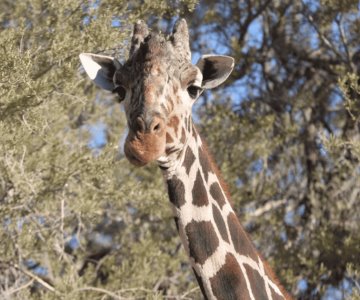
(158, 86)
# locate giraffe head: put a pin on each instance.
(158, 85)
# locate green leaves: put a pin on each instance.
(76, 213)
(287, 136)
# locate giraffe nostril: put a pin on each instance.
(152, 125)
(139, 125)
(156, 128)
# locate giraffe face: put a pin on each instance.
(157, 86)
(158, 91)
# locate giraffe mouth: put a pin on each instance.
(134, 160)
(141, 149)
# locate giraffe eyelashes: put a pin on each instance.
(121, 91)
(194, 91)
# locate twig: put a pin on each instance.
(62, 222)
(267, 207)
(35, 277)
(26, 123)
(343, 38)
(184, 296)
(30, 282)
(323, 38)
(22, 161)
(95, 289)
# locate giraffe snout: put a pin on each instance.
(146, 140)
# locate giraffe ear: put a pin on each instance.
(215, 69)
(100, 69)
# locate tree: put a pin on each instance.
(78, 221)
(75, 223)
(287, 133)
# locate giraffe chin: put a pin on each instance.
(135, 161)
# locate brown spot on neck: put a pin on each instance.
(240, 240)
(220, 223)
(216, 193)
(188, 160)
(257, 283)
(207, 160)
(204, 163)
(229, 282)
(176, 191)
(199, 194)
(203, 240)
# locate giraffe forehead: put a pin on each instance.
(144, 73)
(154, 53)
(157, 57)
(154, 45)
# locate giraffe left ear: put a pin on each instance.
(100, 69)
(215, 69)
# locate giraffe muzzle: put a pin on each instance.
(145, 141)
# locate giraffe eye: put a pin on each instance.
(194, 91)
(121, 91)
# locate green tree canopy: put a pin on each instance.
(79, 222)
(287, 133)
(75, 222)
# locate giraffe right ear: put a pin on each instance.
(215, 69)
(100, 69)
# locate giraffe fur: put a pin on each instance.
(219, 245)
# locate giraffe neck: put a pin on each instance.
(225, 262)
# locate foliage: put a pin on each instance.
(78, 221)
(287, 133)
(75, 222)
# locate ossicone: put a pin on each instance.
(180, 39)
(140, 33)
